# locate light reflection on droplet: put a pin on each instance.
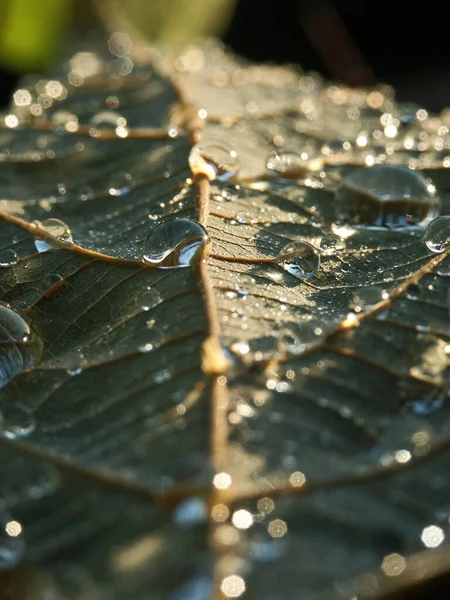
(222, 481)
(174, 243)
(300, 259)
(233, 586)
(437, 234)
(242, 519)
(214, 159)
(54, 228)
(277, 528)
(393, 564)
(432, 536)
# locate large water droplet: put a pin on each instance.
(54, 227)
(292, 164)
(299, 259)
(12, 544)
(332, 244)
(215, 159)
(437, 235)
(8, 258)
(16, 420)
(20, 347)
(386, 196)
(174, 243)
(366, 298)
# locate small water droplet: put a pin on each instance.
(107, 119)
(443, 270)
(8, 258)
(230, 192)
(149, 299)
(16, 420)
(51, 280)
(120, 183)
(299, 337)
(413, 291)
(215, 159)
(174, 243)
(74, 372)
(162, 376)
(12, 544)
(190, 512)
(332, 244)
(20, 348)
(366, 298)
(55, 228)
(242, 217)
(292, 164)
(386, 196)
(437, 234)
(299, 259)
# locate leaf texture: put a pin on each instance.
(223, 430)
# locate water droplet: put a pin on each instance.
(55, 228)
(12, 544)
(16, 420)
(20, 348)
(174, 243)
(51, 280)
(443, 270)
(437, 234)
(107, 119)
(299, 337)
(242, 217)
(332, 244)
(292, 164)
(413, 291)
(215, 159)
(366, 298)
(149, 299)
(231, 192)
(386, 196)
(190, 512)
(299, 259)
(120, 183)
(8, 258)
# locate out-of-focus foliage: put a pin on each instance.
(30, 31)
(170, 21)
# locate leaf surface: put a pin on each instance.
(226, 428)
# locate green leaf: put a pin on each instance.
(227, 428)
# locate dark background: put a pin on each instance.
(353, 41)
(406, 44)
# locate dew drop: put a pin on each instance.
(437, 234)
(299, 259)
(230, 192)
(332, 244)
(174, 243)
(12, 544)
(292, 164)
(299, 337)
(366, 298)
(55, 228)
(107, 119)
(20, 347)
(8, 258)
(386, 196)
(413, 291)
(120, 183)
(16, 420)
(427, 403)
(242, 217)
(51, 280)
(215, 159)
(149, 299)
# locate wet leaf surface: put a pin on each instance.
(243, 425)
